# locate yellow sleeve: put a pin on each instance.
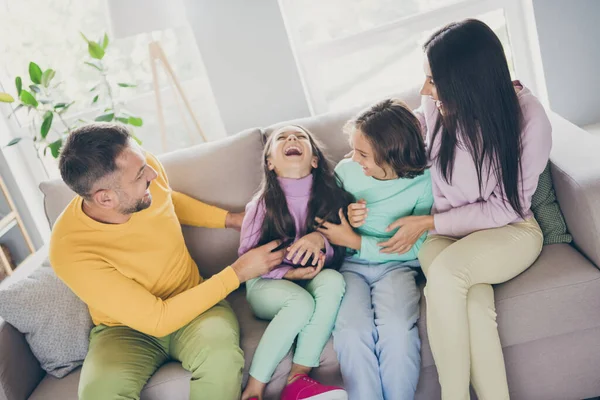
(196, 213)
(105, 289)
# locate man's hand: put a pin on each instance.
(340, 235)
(234, 220)
(357, 213)
(305, 273)
(306, 247)
(258, 261)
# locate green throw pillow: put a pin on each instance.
(547, 211)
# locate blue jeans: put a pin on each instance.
(375, 336)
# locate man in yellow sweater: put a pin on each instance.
(119, 246)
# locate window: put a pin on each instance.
(48, 32)
(352, 52)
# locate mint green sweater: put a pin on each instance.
(386, 201)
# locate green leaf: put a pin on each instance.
(14, 141)
(105, 117)
(84, 38)
(127, 84)
(35, 73)
(135, 121)
(35, 89)
(28, 99)
(6, 98)
(95, 87)
(124, 120)
(91, 64)
(46, 124)
(19, 85)
(105, 42)
(60, 105)
(95, 99)
(95, 50)
(136, 139)
(64, 108)
(55, 147)
(47, 77)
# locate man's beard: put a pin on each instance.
(140, 205)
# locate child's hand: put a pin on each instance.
(308, 246)
(304, 273)
(340, 235)
(357, 213)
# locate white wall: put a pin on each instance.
(569, 32)
(249, 61)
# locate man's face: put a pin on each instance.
(132, 180)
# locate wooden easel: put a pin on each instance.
(158, 55)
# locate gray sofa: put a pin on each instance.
(549, 316)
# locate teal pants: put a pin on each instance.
(120, 360)
(306, 310)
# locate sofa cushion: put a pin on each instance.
(55, 322)
(559, 294)
(171, 382)
(547, 211)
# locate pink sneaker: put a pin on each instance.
(305, 388)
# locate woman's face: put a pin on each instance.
(428, 88)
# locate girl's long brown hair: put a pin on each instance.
(326, 198)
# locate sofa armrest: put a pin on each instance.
(575, 161)
(20, 372)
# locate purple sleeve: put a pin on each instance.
(494, 212)
(250, 235)
(328, 251)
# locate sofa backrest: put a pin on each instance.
(225, 173)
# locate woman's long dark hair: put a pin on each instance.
(481, 109)
(326, 198)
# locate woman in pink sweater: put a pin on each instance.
(489, 140)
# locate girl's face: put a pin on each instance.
(363, 153)
(428, 88)
(291, 154)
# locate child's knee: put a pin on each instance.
(332, 282)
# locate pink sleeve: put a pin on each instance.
(328, 251)
(250, 235)
(496, 211)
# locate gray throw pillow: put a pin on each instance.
(547, 211)
(55, 322)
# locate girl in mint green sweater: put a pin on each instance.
(376, 337)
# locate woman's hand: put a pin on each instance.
(306, 247)
(357, 213)
(305, 273)
(340, 234)
(409, 231)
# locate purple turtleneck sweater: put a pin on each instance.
(297, 194)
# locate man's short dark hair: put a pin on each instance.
(89, 154)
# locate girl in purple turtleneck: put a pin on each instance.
(300, 298)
